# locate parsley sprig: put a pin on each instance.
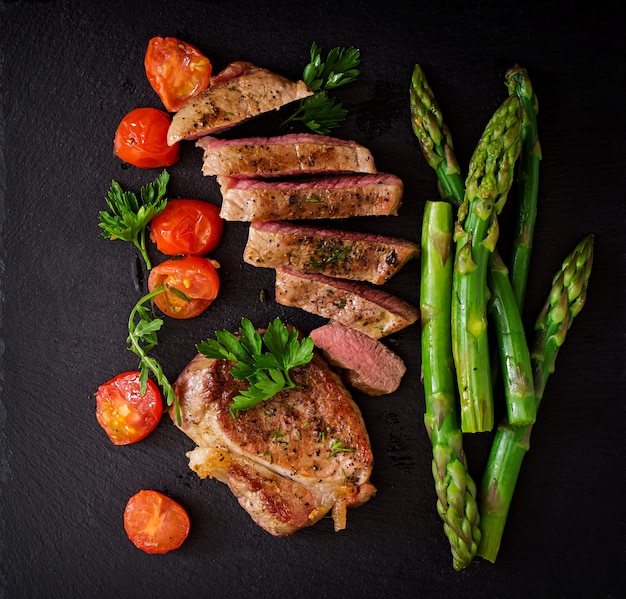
(321, 112)
(130, 215)
(262, 360)
(142, 338)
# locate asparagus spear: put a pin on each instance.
(565, 301)
(434, 138)
(487, 185)
(456, 491)
(512, 347)
(518, 83)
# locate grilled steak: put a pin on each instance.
(290, 460)
(341, 254)
(340, 196)
(370, 366)
(356, 305)
(238, 93)
(295, 153)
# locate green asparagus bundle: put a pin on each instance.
(565, 300)
(456, 491)
(487, 185)
(437, 146)
(518, 83)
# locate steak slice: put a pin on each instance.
(290, 460)
(340, 196)
(238, 93)
(291, 154)
(334, 253)
(356, 305)
(369, 365)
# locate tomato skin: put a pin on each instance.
(193, 276)
(187, 227)
(176, 70)
(155, 523)
(124, 414)
(141, 139)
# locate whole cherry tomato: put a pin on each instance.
(123, 412)
(176, 70)
(154, 522)
(190, 286)
(141, 139)
(187, 227)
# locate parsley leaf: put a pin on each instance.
(338, 69)
(129, 216)
(142, 338)
(266, 371)
(319, 112)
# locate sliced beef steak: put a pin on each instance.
(341, 254)
(290, 460)
(369, 365)
(292, 154)
(356, 305)
(340, 196)
(240, 92)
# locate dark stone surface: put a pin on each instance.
(68, 72)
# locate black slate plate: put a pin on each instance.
(69, 71)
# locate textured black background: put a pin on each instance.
(68, 72)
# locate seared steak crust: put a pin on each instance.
(340, 196)
(240, 92)
(356, 305)
(283, 155)
(341, 254)
(289, 460)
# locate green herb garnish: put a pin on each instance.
(142, 338)
(277, 437)
(130, 215)
(338, 447)
(320, 112)
(335, 256)
(262, 360)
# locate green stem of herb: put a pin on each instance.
(140, 244)
(147, 361)
(131, 319)
(294, 117)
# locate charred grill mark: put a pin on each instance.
(392, 258)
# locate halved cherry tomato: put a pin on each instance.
(141, 139)
(187, 227)
(154, 522)
(123, 412)
(191, 284)
(176, 70)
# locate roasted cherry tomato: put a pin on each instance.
(191, 284)
(141, 139)
(187, 227)
(176, 70)
(123, 412)
(154, 522)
